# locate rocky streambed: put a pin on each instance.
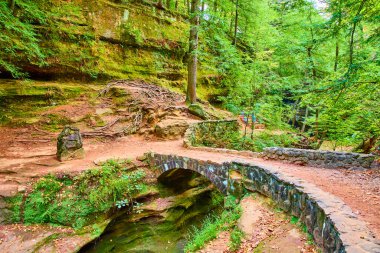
(161, 223)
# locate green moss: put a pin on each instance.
(24, 102)
(55, 122)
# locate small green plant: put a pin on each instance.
(294, 220)
(235, 239)
(213, 225)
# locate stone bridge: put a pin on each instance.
(333, 225)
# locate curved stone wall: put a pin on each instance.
(212, 129)
(319, 158)
(332, 223)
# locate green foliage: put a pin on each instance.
(213, 225)
(294, 55)
(18, 36)
(15, 202)
(235, 239)
(75, 201)
(296, 221)
(236, 140)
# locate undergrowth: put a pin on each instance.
(76, 201)
(234, 140)
(213, 225)
(302, 227)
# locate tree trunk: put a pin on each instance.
(11, 5)
(309, 50)
(160, 4)
(316, 123)
(355, 22)
(176, 5)
(337, 40)
(193, 46)
(188, 6)
(236, 21)
(304, 120)
(168, 3)
(336, 56)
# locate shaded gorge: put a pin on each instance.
(181, 199)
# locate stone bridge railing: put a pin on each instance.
(208, 135)
(319, 158)
(333, 225)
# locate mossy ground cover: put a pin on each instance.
(24, 102)
(79, 200)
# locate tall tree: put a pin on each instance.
(193, 47)
(236, 21)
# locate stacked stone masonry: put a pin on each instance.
(334, 226)
(318, 158)
(214, 129)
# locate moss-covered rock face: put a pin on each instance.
(69, 145)
(198, 111)
(109, 39)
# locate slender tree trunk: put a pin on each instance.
(231, 24)
(188, 6)
(236, 21)
(355, 22)
(309, 50)
(215, 6)
(168, 3)
(316, 123)
(304, 120)
(295, 113)
(203, 5)
(336, 55)
(11, 5)
(176, 5)
(160, 4)
(337, 40)
(193, 46)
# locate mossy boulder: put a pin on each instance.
(198, 111)
(69, 145)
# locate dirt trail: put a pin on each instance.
(264, 231)
(269, 231)
(19, 164)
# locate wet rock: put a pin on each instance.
(69, 145)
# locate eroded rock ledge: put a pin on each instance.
(335, 228)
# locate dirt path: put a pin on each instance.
(267, 231)
(264, 231)
(21, 163)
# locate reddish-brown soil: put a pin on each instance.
(264, 230)
(28, 153)
(20, 162)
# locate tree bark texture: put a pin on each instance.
(193, 46)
